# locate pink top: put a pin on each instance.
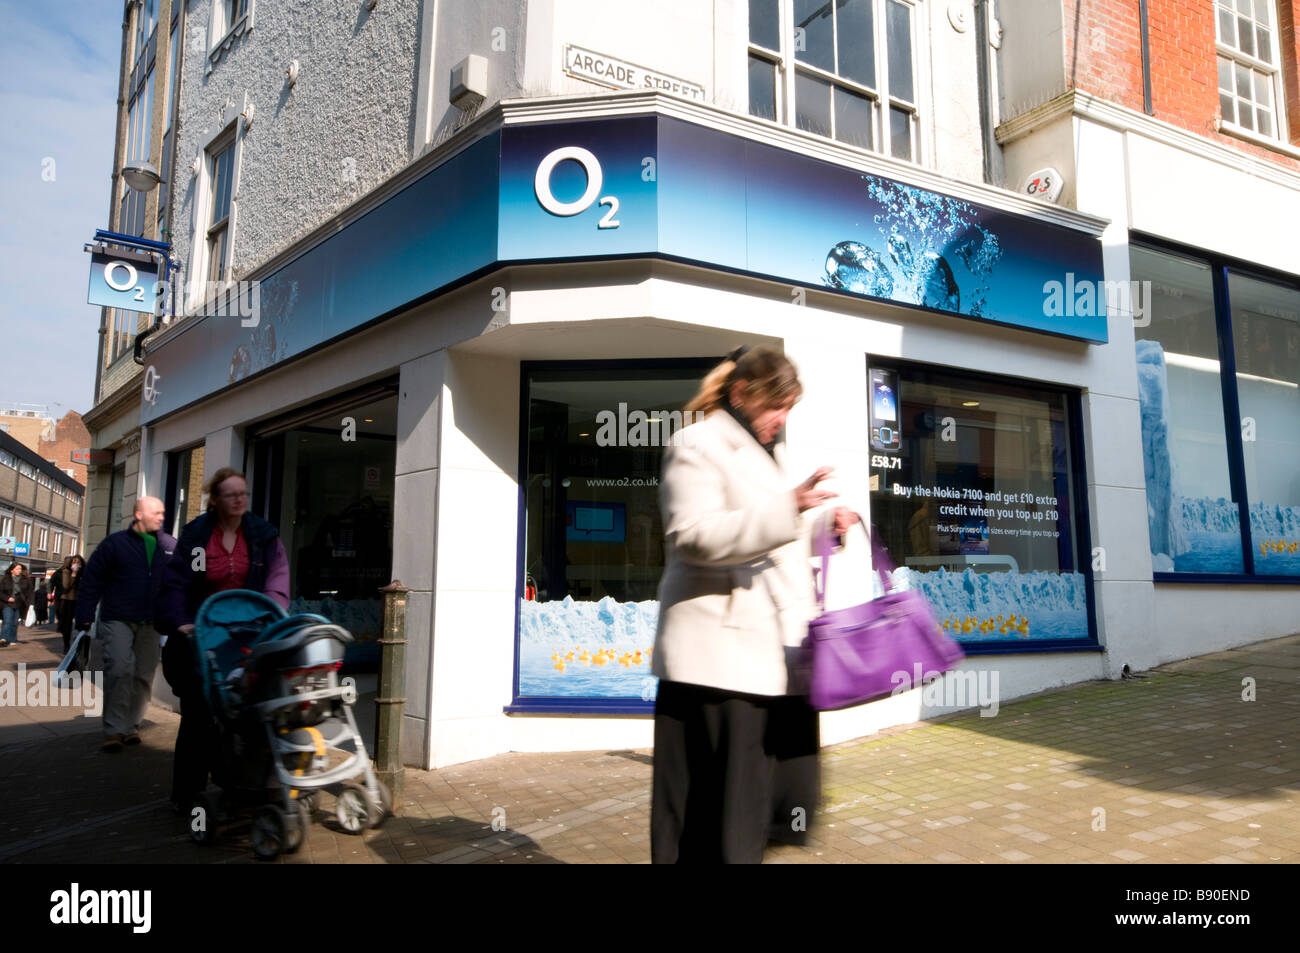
(226, 570)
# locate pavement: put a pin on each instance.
(1194, 762)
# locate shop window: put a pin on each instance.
(1266, 344)
(976, 492)
(116, 482)
(327, 482)
(1219, 384)
(185, 499)
(593, 536)
(845, 70)
(1191, 511)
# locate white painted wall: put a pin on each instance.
(1031, 63)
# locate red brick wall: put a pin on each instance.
(1103, 56)
(69, 434)
(1289, 41)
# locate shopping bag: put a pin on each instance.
(30, 621)
(887, 645)
(77, 659)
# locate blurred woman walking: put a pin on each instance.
(736, 743)
(66, 581)
(15, 597)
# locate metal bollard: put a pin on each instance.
(392, 690)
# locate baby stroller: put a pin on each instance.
(282, 722)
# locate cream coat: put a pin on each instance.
(736, 594)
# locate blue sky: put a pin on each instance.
(58, 94)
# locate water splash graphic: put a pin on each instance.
(927, 233)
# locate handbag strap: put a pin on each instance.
(822, 547)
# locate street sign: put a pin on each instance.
(92, 457)
(7, 543)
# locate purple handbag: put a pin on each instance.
(882, 647)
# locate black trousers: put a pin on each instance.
(66, 612)
(195, 746)
(731, 771)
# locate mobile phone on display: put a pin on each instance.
(884, 411)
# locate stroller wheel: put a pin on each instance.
(354, 809)
(269, 833)
(385, 804)
(295, 828)
(203, 819)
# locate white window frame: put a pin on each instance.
(72, 545)
(1274, 71)
(58, 543)
(231, 134)
(24, 532)
(786, 64)
(221, 34)
(42, 538)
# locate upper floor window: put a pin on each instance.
(838, 68)
(146, 19)
(230, 19)
(222, 167)
(1250, 83)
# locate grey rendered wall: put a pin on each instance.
(343, 128)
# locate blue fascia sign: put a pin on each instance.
(22, 549)
(642, 186)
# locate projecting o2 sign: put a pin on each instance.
(117, 282)
(595, 179)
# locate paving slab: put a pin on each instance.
(1171, 767)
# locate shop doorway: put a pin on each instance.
(325, 478)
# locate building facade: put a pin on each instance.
(40, 509)
(452, 270)
(152, 33)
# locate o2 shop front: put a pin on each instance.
(541, 297)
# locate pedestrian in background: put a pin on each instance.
(15, 597)
(736, 744)
(239, 550)
(41, 600)
(66, 586)
(124, 574)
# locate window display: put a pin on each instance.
(973, 492)
(593, 547)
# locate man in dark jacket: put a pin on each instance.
(124, 574)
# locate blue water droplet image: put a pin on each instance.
(919, 237)
(938, 286)
(852, 266)
(901, 251)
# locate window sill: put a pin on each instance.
(1240, 132)
(242, 26)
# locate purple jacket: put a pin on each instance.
(184, 587)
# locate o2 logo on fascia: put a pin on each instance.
(595, 179)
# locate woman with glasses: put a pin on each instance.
(240, 551)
